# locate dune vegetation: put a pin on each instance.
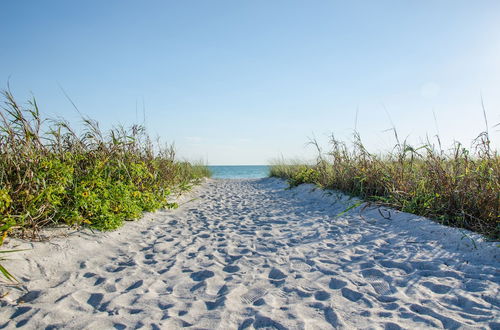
(459, 187)
(52, 175)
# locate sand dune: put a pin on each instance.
(249, 254)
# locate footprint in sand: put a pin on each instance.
(332, 317)
(437, 288)
(246, 324)
(20, 311)
(377, 280)
(336, 284)
(321, 295)
(211, 305)
(276, 274)
(198, 286)
(263, 322)
(253, 295)
(231, 269)
(134, 286)
(351, 294)
(201, 275)
(95, 299)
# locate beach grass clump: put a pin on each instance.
(50, 175)
(459, 187)
(295, 174)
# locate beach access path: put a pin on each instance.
(245, 254)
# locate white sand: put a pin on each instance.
(250, 254)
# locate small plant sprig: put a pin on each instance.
(5, 273)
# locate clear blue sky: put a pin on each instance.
(242, 82)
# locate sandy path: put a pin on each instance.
(250, 254)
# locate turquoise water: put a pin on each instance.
(239, 171)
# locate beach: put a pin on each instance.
(249, 254)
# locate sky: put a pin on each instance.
(246, 82)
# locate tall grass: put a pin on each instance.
(50, 175)
(459, 187)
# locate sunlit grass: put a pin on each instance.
(459, 187)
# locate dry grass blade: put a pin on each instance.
(3, 270)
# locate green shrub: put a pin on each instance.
(303, 174)
(55, 176)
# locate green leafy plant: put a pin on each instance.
(303, 175)
(51, 175)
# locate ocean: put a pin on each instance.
(239, 171)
